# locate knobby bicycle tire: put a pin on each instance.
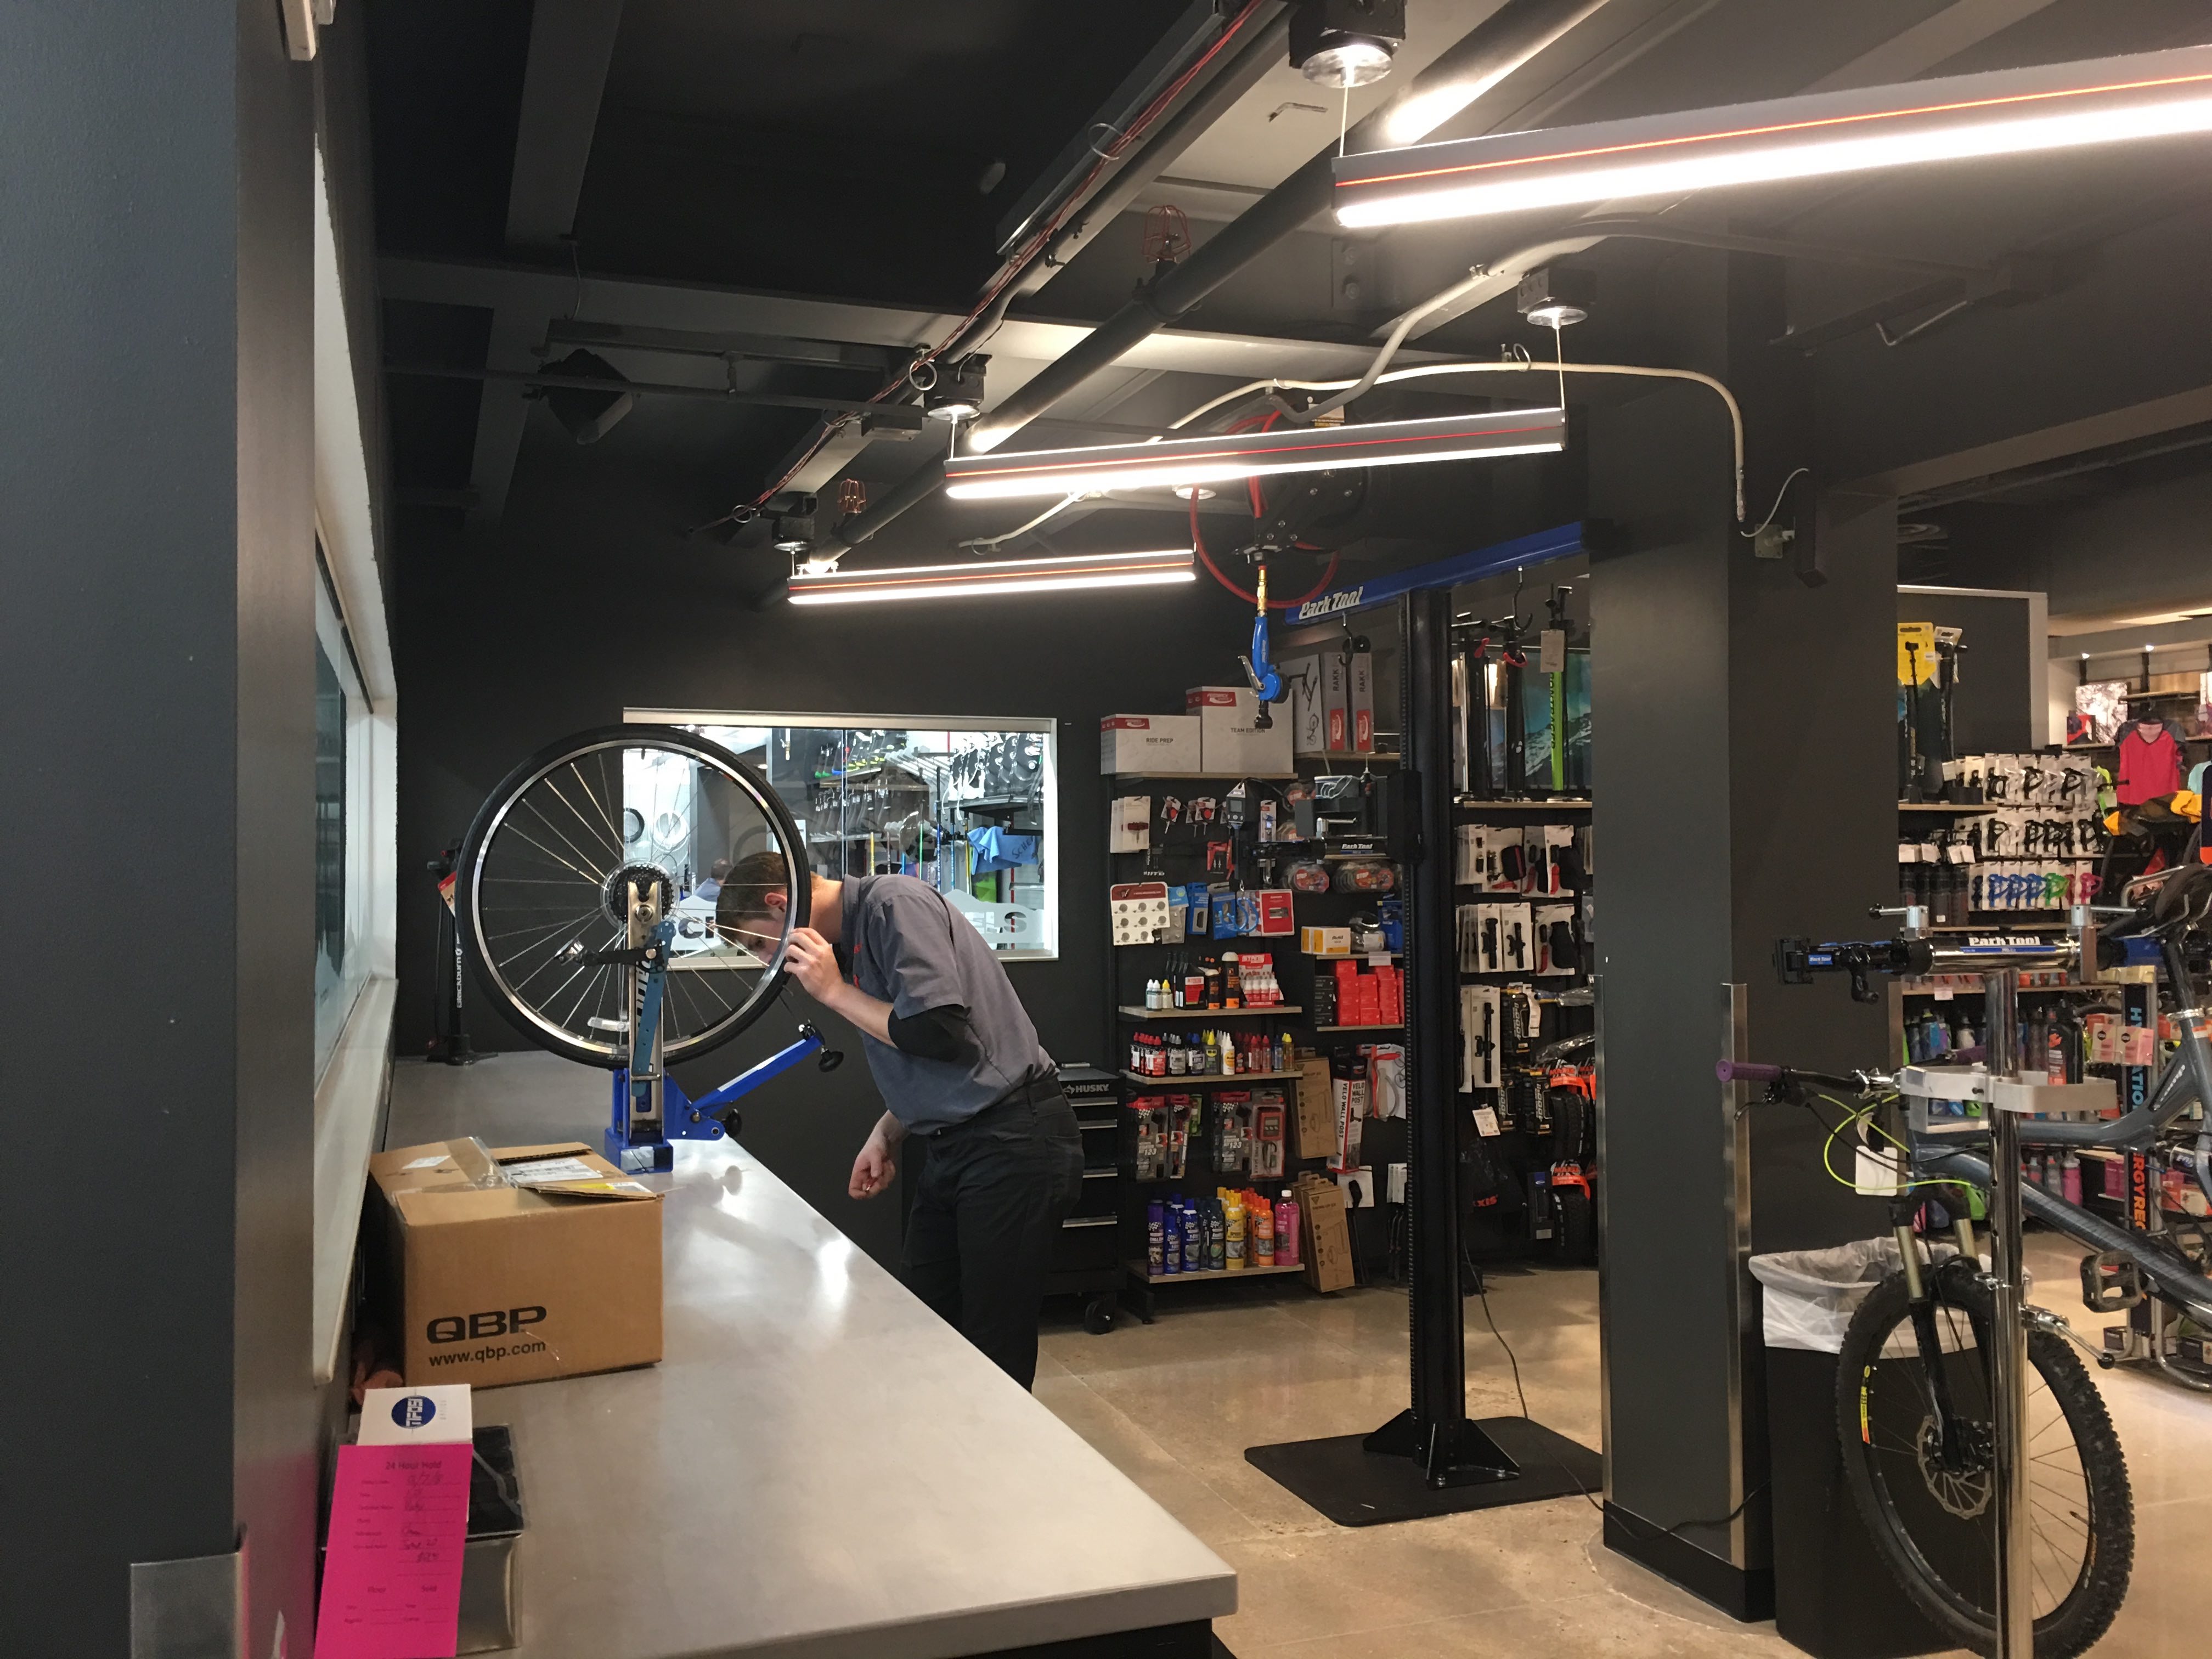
(1900, 1520)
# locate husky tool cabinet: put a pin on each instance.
(1086, 1258)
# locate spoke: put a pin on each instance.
(676, 987)
(547, 1002)
(563, 834)
(558, 955)
(527, 881)
(596, 881)
(539, 927)
(568, 1020)
(614, 839)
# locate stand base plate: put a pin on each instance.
(1355, 1487)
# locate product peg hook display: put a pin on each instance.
(576, 906)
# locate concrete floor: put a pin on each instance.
(1228, 1366)
(1175, 1404)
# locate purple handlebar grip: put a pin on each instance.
(1747, 1071)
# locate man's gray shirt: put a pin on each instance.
(910, 948)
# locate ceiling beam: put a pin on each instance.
(545, 292)
(572, 42)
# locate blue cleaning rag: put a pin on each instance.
(998, 849)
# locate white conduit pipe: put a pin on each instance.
(1532, 367)
(1052, 512)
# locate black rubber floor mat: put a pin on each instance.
(1355, 1488)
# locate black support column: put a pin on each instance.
(1434, 1431)
(1744, 767)
(157, 666)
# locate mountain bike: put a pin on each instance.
(1948, 1448)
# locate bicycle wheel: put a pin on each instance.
(549, 864)
(1937, 1526)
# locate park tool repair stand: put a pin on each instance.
(574, 910)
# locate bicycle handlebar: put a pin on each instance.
(1747, 1071)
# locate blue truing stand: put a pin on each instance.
(685, 1118)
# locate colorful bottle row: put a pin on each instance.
(1234, 1229)
(1235, 980)
(1210, 1053)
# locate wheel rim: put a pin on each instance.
(554, 853)
(1942, 1517)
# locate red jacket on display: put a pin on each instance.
(2150, 764)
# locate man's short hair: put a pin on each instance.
(746, 889)
(719, 869)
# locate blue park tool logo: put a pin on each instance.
(412, 1411)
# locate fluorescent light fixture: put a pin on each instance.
(1956, 118)
(944, 581)
(1179, 461)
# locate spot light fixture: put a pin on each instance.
(1346, 43)
(2050, 106)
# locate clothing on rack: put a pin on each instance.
(2149, 762)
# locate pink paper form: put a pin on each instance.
(392, 1582)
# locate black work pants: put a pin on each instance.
(987, 1204)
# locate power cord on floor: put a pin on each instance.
(1482, 1290)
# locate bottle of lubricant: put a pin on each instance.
(1261, 1222)
(1287, 1230)
(1232, 1216)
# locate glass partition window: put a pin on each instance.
(341, 817)
(969, 806)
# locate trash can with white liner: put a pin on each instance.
(1833, 1595)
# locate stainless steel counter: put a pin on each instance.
(819, 1466)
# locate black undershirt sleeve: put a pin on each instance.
(937, 1034)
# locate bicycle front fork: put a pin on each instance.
(1951, 1440)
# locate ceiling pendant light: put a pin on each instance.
(940, 581)
(1190, 461)
(2005, 113)
(1346, 43)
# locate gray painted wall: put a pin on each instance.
(156, 660)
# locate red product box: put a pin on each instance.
(1275, 911)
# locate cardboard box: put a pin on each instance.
(476, 1279)
(1228, 736)
(1362, 700)
(1325, 941)
(1309, 717)
(1149, 745)
(1316, 1119)
(1328, 1235)
(1335, 703)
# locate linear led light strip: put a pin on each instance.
(1255, 454)
(1958, 117)
(937, 581)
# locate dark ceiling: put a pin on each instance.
(747, 161)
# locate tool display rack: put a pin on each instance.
(1178, 856)
(1520, 1098)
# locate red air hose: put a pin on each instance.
(1197, 546)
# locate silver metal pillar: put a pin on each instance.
(2008, 1355)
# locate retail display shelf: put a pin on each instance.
(1217, 777)
(1137, 1269)
(1354, 754)
(1128, 1012)
(1954, 807)
(1479, 803)
(1201, 1079)
(1358, 1028)
(2001, 925)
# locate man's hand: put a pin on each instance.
(813, 964)
(873, 1170)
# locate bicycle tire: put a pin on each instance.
(1900, 1513)
(1577, 1226)
(470, 904)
